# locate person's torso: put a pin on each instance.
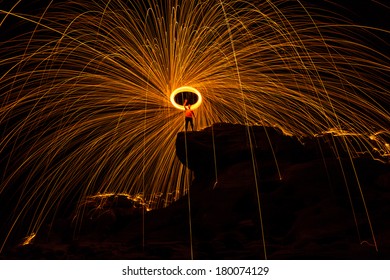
(188, 113)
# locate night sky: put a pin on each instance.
(365, 12)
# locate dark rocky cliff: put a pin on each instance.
(255, 193)
(299, 196)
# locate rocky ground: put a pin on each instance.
(264, 196)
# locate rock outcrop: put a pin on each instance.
(258, 190)
(255, 194)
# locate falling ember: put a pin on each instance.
(107, 200)
(28, 240)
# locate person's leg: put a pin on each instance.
(187, 120)
(192, 124)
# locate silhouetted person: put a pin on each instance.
(189, 115)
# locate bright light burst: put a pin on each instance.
(86, 94)
(186, 91)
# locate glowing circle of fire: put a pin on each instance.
(186, 89)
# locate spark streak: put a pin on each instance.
(85, 94)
